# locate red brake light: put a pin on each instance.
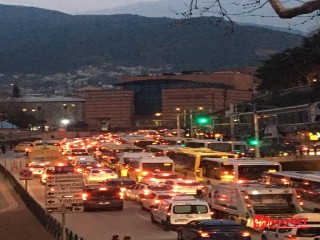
(102, 189)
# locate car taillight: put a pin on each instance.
(301, 203)
(31, 169)
(70, 158)
(146, 192)
(291, 237)
(245, 234)
(204, 234)
(102, 189)
(85, 196)
(121, 195)
(156, 201)
(138, 170)
(79, 170)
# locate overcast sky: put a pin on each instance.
(73, 6)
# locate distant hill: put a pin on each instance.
(173, 8)
(34, 40)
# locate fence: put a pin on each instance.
(47, 221)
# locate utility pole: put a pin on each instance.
(256, 131)
(178, 127)
(191, 125)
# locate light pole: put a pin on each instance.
(256, 131)
(178, 127)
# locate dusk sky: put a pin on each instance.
(73, 6)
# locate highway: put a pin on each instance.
(101, 225)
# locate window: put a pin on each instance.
(188, 209)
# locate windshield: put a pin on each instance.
(220, 147)
(254, 172)
(308, 232)
(79, 153)
(121, 183)
(159, 188)
(188, 209)
(157, 167)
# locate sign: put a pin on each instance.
(61, 193)
(64, 177)
(65, 209)
(25, 174)
(260, 222)
(64, 190)
(65, 185)
(64, 201)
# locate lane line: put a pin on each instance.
(147, 219)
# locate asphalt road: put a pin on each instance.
(132, 221)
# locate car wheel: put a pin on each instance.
(120, 208)
(152, 219)
(165, 226)
(180, 235)
(264, 238)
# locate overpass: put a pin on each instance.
(298, 162)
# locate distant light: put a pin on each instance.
(33, 110)
(158, 114)
(65, 121)
(178, 109)
(24, 109)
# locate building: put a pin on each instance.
(108, 108)
(156, 99)
(52, 111)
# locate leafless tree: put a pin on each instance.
(285, 9)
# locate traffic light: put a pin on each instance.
(203, 120)
(253, 142)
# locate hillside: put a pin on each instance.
(41, 41)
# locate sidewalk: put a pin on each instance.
(16, 221)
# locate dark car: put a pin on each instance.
(102, 197)
(120, 182)
(213, 229)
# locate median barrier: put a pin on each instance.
(46, 220)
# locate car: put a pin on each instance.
(84, 166)
(138, 191)
(309, 230)
(179, 211)
(213, 229)
(37, 168)
(102, 197)
(23, 147)
(122, 183)
(99, 175)
(185, 186)
(153, 199)
(46, 173)
(78, 154)
(159, 177)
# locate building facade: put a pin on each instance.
(52, 111)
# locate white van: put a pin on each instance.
(179, 211)
(308, 230)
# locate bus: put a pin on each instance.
(306, 184)
(139, 141)
(230, 146)
(236, 170)
(140, 167)
(187, 160)
(162, 150)
(108, 152)
(174, 140)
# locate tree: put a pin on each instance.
(293, 67)
(289, 10)
(15, 91)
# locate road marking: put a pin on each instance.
(141, 216)
(147, 219)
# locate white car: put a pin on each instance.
(139, 191)
(153, 199)
(185, 186)
(37, 168)
(309, 230)
(99, 175)
(159, 177)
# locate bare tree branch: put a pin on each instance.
(304, 8)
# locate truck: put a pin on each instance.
(247, 203)
(46, 153)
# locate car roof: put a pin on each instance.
(218, 222)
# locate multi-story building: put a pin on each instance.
(53, 111)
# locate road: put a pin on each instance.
(102, 225)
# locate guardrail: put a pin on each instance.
(47, 221)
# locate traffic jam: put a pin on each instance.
(201, 189)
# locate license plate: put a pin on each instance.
(104, 203)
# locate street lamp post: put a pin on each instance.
(178, 127)
(256, 131)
